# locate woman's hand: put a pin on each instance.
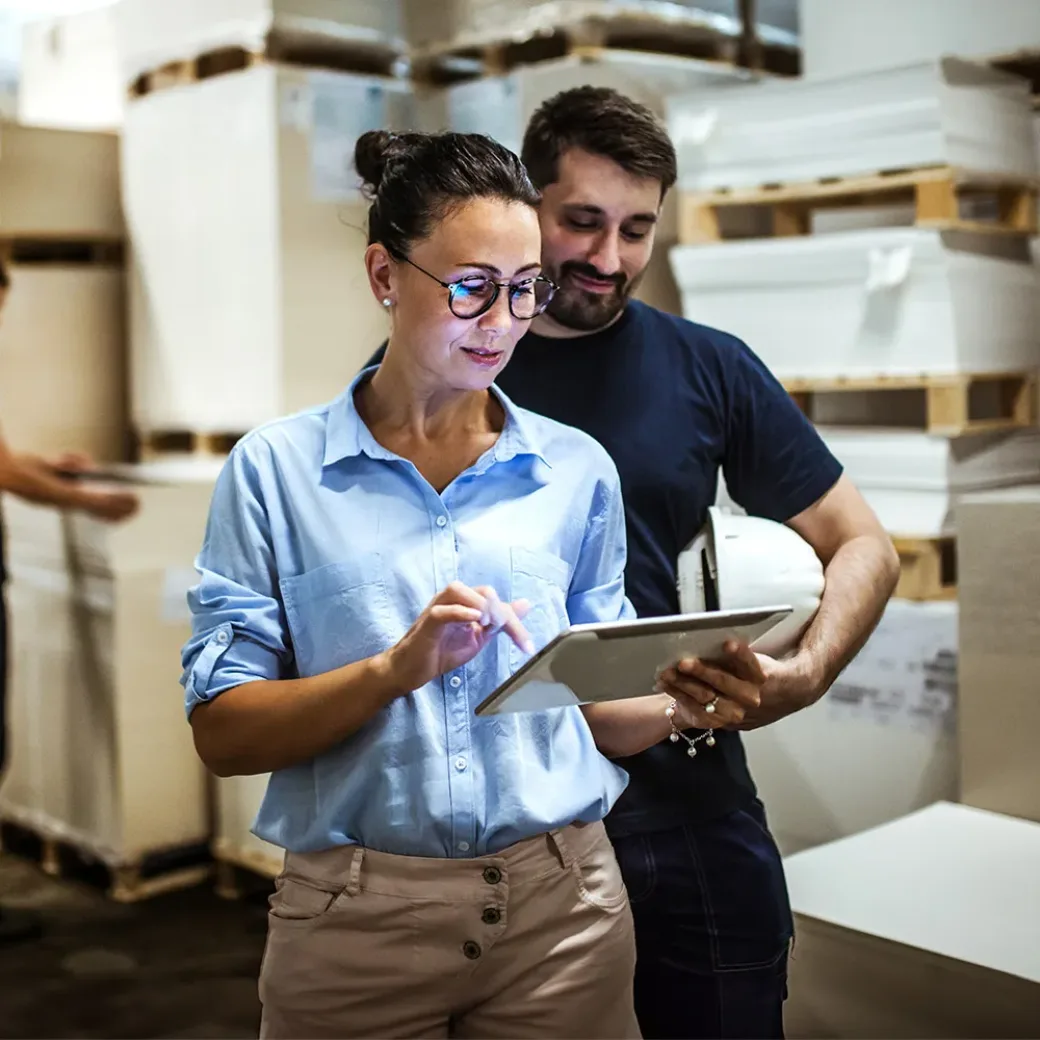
(456, 625)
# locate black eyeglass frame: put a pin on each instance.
(453, 288)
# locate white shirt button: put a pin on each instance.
(222, 637)
(454, 682)
(460, 764)
(442, 521)
(463, 846)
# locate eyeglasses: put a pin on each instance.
(474, 295)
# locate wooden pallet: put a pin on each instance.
(362, 57)
(64, 251)
(937, 193)
(155, 444)
(947, 405)
(476, 55)
(241, 872)
(152, 876)
(927, 568)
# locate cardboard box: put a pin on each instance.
(998, 561)
(101, 753)
(843, 38)
(152, 33)
(949, 112)
(69, 77)
(63, 378)
(61, 184)
(880, 744)
(248, 294)
(913, 480)
(924, 927)
(885, 302)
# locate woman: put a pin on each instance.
(372, 569)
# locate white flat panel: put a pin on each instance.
(894, 301)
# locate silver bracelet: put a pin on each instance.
(707, 736)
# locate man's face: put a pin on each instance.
(598, 225)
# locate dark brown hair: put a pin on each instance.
(601, 121)
(414, 180)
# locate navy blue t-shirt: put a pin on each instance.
(673, 403)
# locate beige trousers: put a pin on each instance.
(536, 941)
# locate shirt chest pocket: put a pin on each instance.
(338, 614)
(543, 579)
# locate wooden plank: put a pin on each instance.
(156, 444)
(936, 201)
(979, 403)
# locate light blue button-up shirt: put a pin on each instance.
(322, 548)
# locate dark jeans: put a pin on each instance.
(3, 681)
(713, 928)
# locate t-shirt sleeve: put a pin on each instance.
(775, 463)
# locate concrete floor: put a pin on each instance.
(183, 965)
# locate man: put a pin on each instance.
(674, 403)
(48, 483)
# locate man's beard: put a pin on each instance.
(583, 311)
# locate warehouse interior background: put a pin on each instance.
(857, 200)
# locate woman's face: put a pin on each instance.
(484, 239)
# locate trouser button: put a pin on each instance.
(492, 875)
(471, 949)
(491, 915)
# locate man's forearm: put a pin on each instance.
(860, 579)
(31, 478)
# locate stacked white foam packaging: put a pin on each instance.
(257, 165)
(502, 105)
(879, 301)
(101, 755)
(248, 293)
(60, 192)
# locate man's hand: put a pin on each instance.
(110, 506)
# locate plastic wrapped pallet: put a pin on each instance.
(913, 480)
(845, 36)
(59, 184)
(69, 75)
(249, 296)
(101, 754)
(881, 743)
(887, 302)
(924, 927)
(152, 33)
(949, 112)
(998, 560)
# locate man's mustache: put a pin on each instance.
(588, 271)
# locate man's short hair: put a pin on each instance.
(601, 121)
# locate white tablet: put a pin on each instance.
(585, 664)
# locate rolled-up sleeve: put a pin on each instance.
(239, 631)
(597, 591)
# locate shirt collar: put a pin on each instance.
(347, 436)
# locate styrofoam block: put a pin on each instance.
(914, 480)
(105, 757)
(840, 37)
(69, 76)
(894, 301)
(881, 742)
(154, 32)
(949, 112)
(249, 237)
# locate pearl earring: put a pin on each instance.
(386, 301)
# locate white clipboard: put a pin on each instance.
(588, 664)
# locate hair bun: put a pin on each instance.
(372, 152)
